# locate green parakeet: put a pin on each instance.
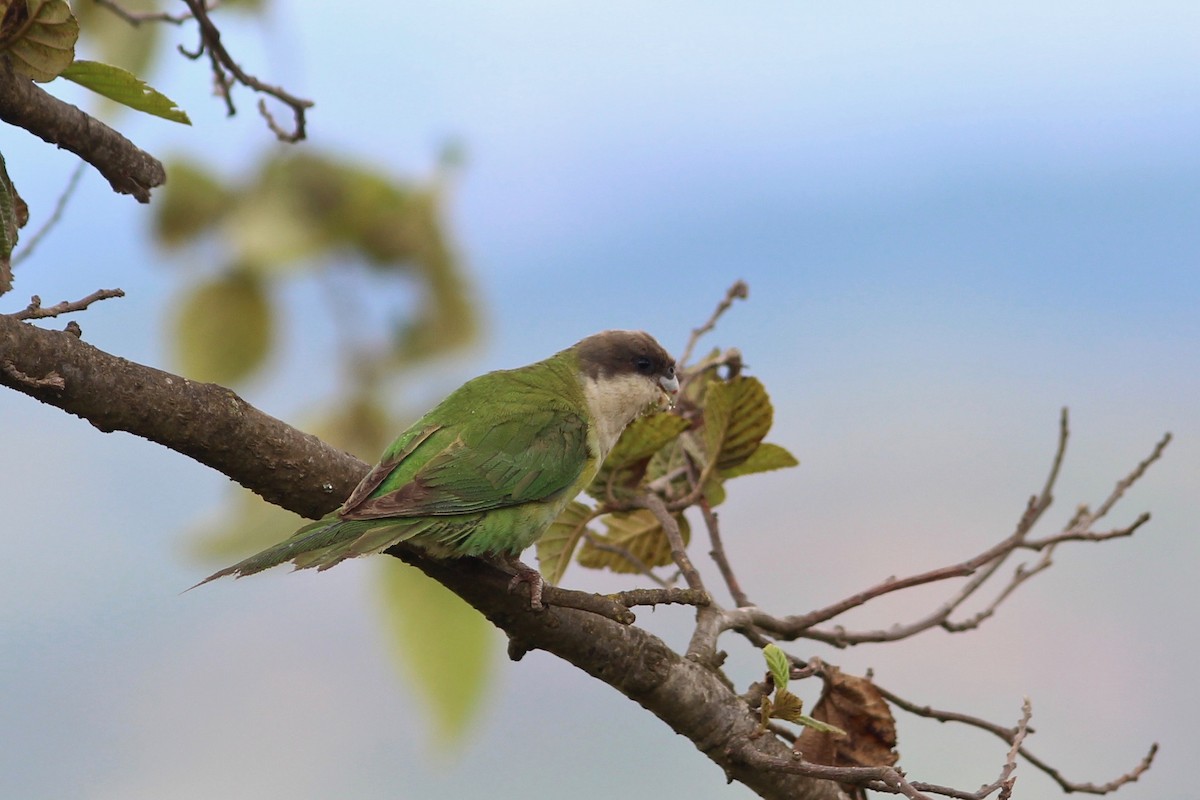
(489, 469)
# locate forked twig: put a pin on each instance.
(223, 66)
(738, 291)
(1014, 738)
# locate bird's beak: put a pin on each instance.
(670, 385)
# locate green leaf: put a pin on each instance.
(13, 216)
(737, 415)
(192, 201)
(638, 533)
(443, 646)
(765, 458)
(557, 545)
(778, 664)
(818, 725)
(269, 229)
(714, 491)
(224, 329)
(125, 88)
(626, 464)
(786, 706)
(39, 37)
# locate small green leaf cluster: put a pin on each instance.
(783, 704)
(303, 215)
(714, 433)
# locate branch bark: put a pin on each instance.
(128, 168)
(206, 422)
(297, 471)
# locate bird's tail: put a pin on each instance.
(319, 544)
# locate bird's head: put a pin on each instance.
(624, 374)
(633, 359)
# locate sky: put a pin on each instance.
(954, 220)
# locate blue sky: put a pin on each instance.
(954, 220)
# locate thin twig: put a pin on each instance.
(654, 597)
(981, 567)
(655, 505)
(1092, 788)
(929, 712)
(1021, 574)
(882, 779)
(624, 552)
(738, 291)
(1123, 485)
(1086, 536)
(60, 205)
(35, 310)
(1010, 737)
(718, 555)
(585, 601)
(224, 66)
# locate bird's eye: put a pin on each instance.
(643, 365)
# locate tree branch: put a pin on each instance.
(206, 422)
(693, 700)
(299, 472)
(226, 72)
(128, 169)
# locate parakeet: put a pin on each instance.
(486, 471)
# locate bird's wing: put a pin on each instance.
(477, 467)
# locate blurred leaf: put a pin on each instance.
(714, 491)
(252, 6)
(246, 525)
(191, 202)
(223, 330)
(443, 645)
(637, 532)
(114, 40)
(737, 415)
(630, 457)
(38, 36)
(125, 88)
(360, 425)
(778, 664)
(558, 543)
(765, 458)
(386, 221)
(13, 216)
(448, 319)
(269, 231)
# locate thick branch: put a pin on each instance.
(206, 422)
(127, 168)
(690, 698)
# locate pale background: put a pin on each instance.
(953, 220)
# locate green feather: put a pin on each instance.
(483, 473)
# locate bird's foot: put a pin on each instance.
(525, 574)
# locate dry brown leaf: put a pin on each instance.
(854, 705)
